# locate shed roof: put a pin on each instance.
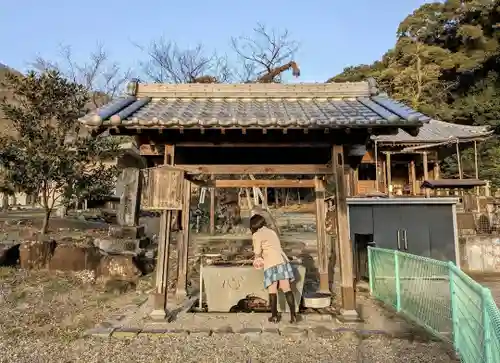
(436, 132)
(452, 183)
(330, 105)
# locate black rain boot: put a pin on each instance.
(273, 303)
(290, 299)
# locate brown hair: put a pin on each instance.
(257, 222)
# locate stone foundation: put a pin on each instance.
(480, 253)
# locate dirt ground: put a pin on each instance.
(491, 281)
(62, 305)
(43, 316)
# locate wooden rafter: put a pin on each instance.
(294, 169)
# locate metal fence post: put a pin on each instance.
(454, 309)
(486, 327)
(398, 284)
(370, 269)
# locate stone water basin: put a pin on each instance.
(226, 285)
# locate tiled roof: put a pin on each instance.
(331, 105)
(436, 132)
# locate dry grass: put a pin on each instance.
(39, 303)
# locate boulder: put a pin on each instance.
(36, 254)
(116, 246)
(118, 231)
(71, 257)
(9, 254)
(119, 267)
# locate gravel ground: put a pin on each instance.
(43, 316)
(62, 305)
(224, 349)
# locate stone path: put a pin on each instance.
(377, 321)
(243, 337)
(377, 325)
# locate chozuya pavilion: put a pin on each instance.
(315, 130)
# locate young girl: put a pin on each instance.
(278, 272)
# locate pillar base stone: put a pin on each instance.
(348, 316)
(158, 315)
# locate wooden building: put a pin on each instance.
(241, 129)
(398, 164)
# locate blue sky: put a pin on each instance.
(332, 34)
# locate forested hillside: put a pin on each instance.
(446, 63)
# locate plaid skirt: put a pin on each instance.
(277, 273)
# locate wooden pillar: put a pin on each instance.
(425, 164)
(459, 161)
(437, 176)
(348, 183)
(476, 164)
(413, 178)
(384, 177)
(352, 181)
(389, 176)
(128, 185)
(319, 191)
(183, 244)
(212, 209)
(377, 179)
(162, 263)
(344, 243)
(437, 171)
(161, 275)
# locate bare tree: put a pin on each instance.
(265, 55)
(101, 77)
(168, 63)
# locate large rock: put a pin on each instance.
(119, 267)
(36, 254)
(9, 254)
(70, 257)
(117, 246)
(132, 232)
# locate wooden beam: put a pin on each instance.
(459, 161)
(426, 173)
(294, 169)
(161, 276)
(413, 178)
(389, 176)
(260, 183)
(162, 263)
(437, 171)
(344, 242)
(169, 155)
(243, 145)
(212, 209)
(183, 245)
(384, 177)
(151, 150)
(322, 243)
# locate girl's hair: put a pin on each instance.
(257, 222)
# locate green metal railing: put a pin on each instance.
(441, 298)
